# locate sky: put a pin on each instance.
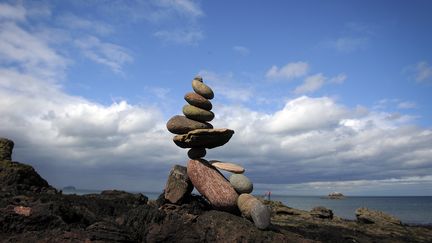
(322, 95)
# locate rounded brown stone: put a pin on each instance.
(212, 185)
(197, 114)
(202, 89)
(245, 203)
(182, 125)
(196, 153)
(198, 101)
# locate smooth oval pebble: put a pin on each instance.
(230, 167)
(196, 153)
(198, 101)
(183, 125)
(202, 89)
(212, 185)
(245, 202)
(197, 114)
(241, 183)
(261, 215)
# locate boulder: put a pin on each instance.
(202, 89)
(368, 216)
(178, 185)
(212, 185)
(198, 101)
(182, 125)
(6, 147)
(205, 138)
(230, 167)
(197, 114)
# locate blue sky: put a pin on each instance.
(323, 95)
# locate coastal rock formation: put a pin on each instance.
(6, 147)
(368, 216)
(322, 213)
(29, 215)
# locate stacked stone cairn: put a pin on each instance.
(193, 131)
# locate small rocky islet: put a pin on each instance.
(194, 131)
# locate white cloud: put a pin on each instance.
(289, 71)
(75, 22)
(188, 37)
(348, 44)
(17, 12)
(186, 7)
(244, 51)
(111, 55)
(311, 84)
(339, 79)
(407, 105)
(423, 72)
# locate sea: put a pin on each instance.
(410, 210)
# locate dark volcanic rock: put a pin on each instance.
(178, 185)
(182, 125)
(367, 216)
(322, 212)
(206, 138)
(6, 147)
(15, 176)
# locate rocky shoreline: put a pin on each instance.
(33, 211)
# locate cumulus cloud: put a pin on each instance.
(315, 82)
(289, 71)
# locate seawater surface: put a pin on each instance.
(410, 210)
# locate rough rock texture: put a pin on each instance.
(198, 101)
(18, 177)
(230, 167)
(178, 185)
(182, 125)
(241, 183)
(6, 147)
(261, 215)
(212, 185)
(196, 153)
(206, 138)
(116, 216)
(197, 114)
(202, 89)
(322, 212)
(369, 216)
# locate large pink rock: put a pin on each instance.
(212, 185)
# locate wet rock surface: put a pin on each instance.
(42, 215)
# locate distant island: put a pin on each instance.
(335, 195)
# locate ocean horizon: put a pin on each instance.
(409, 209)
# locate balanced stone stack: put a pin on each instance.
(194, 131)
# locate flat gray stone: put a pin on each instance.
(261, 215)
